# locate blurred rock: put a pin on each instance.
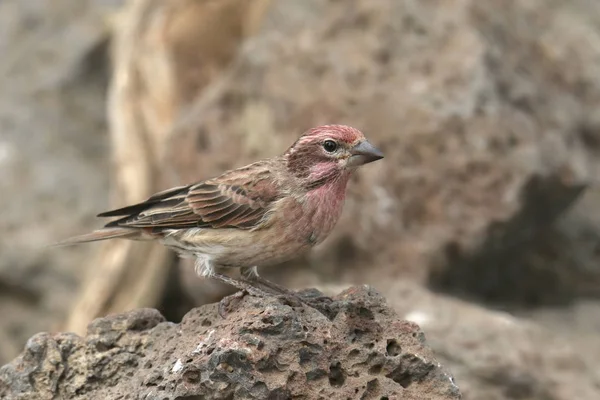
(53, 154)
(483, 109)
(161, 53)
(262, 350)
(578, 324)
(496, 356)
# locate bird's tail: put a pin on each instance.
(100, 234)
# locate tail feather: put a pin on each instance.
(100, 234)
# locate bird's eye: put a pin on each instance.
(330, 146)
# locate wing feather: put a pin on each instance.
(238, 199)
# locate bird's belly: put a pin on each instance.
(260, 254)
(237, 248)
(291, 231)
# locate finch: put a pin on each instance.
(264, 213)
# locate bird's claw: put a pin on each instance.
(290, 299)
(321, 303)
(226, 302)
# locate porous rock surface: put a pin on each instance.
(262, 349)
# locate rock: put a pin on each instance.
(497, 356)
(53, 154)
(264, 349)
(487, 115)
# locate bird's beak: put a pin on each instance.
(363, 153)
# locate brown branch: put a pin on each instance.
(164, 55)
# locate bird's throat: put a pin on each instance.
(326, 174)
(323, 206)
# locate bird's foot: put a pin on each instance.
(244, 288)
(295, 299)
(242, 285)
(322, 304)
(289, 299)
(257, 286)
(225, 303)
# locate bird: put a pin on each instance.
(261, 214)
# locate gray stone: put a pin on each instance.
(486, 112)
(53, 154)
(263, 349)
(497, 356)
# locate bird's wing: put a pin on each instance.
(236, 199)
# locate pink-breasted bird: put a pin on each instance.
(264, 213)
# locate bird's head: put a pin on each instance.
(329, 152)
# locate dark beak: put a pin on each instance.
(363, 153)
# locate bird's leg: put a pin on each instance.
(225, 302)
(244, 287)
(206, 268)
(239, 284)
(250, 274)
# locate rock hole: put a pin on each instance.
(403, 379)
(191, 376)
(206, 322)
(356, 334)
(393, 348)
(141, 325)
(102, 347)
(259, 390)
(384, 398)
(365, 313)
(369, 345)
(315, 374)
(372, 389)
(353, 353)
(375, 369)
(337, 377)
(305, 355)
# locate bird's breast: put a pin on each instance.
(320, 210)
(292, 227)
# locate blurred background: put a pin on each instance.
(482, 224)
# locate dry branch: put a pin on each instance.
(164, 55)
